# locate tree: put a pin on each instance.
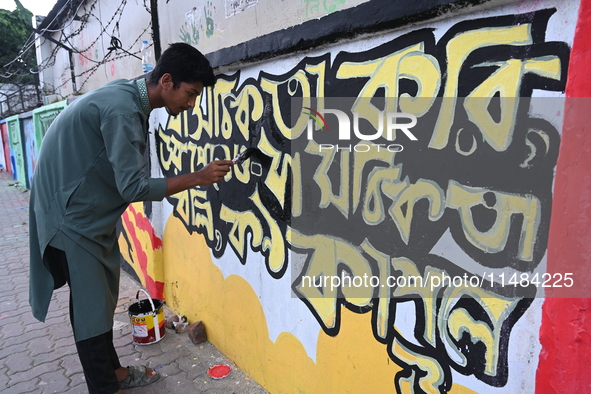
(16, 60)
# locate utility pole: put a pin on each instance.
(155, 29)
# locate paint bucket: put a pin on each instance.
(147, 320)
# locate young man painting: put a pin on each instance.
(89, 170)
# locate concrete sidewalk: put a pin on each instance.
(40, 357)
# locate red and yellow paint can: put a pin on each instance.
(147, 320)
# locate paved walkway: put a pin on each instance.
(41, 357)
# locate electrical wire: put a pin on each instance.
(115, 50)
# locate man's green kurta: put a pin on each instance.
(89, 170)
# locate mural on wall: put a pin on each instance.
(421, 212)
(17, 152)
(3, 146)
(6, 147)
(30, 147)
(234, 7)
(89, 56)
(139, 246)
(200, 26)
(322, 7)
(44, 118)
(41, 119)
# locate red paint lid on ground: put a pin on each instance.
(219, 371)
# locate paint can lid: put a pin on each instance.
(219, 371)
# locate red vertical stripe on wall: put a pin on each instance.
(565, 359)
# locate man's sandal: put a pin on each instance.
(137, 377)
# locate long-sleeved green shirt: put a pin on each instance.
(89, 170)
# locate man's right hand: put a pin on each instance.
(212, 173)
(215, 171)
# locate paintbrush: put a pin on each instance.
(254, 152)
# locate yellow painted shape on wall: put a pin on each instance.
(351, 362)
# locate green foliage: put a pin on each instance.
(13, 35)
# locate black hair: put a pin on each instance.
(185, 64)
